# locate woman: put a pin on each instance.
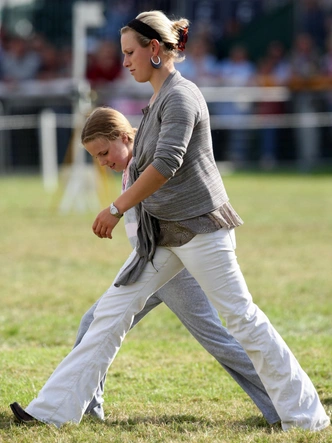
(182, 294)
(185, 220)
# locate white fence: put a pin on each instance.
(46, 122)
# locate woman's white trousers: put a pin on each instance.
(211, 259)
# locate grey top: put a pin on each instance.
(175, 137)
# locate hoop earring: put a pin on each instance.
(154, 64)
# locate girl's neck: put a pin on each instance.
(130, 151)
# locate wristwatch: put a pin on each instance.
(114, 211)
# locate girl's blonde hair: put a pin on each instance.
(106, 123)
(169, 31)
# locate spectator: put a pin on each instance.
(53, 66)
(313, 21)
(281, 66)
(230, 36)
(1, 51)
(66, 61)
(117, 13)
(237, 70)
(50, 63)
(305, 68)
(54, 62)
(37, 42)
(200, 64)
(105, 64)
(272, 70)
(19, 62)
(327, 59)
(327, 73)
(328, 25)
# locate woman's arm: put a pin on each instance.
(148, 182)
(180, 113)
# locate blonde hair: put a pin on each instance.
(169, 31)
(107, 123)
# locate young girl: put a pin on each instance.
(185, 221)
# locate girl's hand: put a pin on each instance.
(104, 224)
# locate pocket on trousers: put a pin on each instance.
(231, 233)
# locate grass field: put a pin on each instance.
(162, 387)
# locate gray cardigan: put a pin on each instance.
(175, 137)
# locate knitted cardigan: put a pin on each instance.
(175, 137)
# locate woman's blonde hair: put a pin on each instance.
(169, 31)
(107, 123)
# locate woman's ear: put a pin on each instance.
(155, 46)
(124, 138)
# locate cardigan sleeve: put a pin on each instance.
(178, 115)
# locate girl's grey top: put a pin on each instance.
(175, 137)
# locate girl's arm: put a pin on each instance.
(147, 183)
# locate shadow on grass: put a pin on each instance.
(327, 401)
(179, 423)
(7, 420)
(187, 422)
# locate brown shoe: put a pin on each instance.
(20, 413)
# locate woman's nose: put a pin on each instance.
(125, 61)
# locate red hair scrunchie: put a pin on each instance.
(183, 38)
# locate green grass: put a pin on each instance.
(162, 387)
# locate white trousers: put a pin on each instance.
(211, 259)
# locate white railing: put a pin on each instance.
(47, 121)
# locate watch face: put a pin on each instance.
(114, 211)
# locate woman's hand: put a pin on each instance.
(104, 224)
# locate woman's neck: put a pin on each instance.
(158, 78)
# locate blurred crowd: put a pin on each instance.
(305, 68)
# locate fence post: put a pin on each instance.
(48, 144)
